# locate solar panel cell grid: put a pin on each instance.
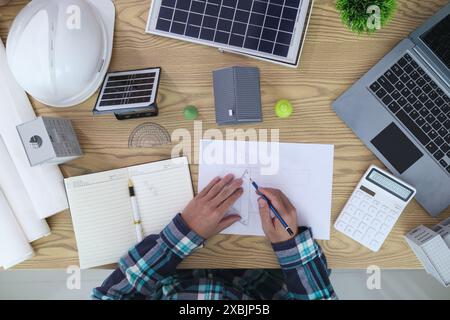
(127, 88)
(262, 25)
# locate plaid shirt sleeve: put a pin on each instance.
(305, 267)
(150, 261)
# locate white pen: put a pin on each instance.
(135, 208)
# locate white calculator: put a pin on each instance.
(374, 207)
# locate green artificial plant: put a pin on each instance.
(355, 15)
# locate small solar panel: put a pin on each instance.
(128, 91)
(270, 29)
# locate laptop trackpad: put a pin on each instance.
(397, 148)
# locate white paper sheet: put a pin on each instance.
(304, 172)
(44, 184)
(18, 198)
(14, 246)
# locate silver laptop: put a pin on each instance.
(401, 110)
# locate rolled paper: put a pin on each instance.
(14, 246)
(18, 198)
(45, 183)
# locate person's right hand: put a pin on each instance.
(272, 227)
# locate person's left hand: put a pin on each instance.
(205, 214)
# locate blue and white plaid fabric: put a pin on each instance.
(148, 271)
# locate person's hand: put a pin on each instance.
(205, 214)
(272, 227)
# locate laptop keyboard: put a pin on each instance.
(419, 103)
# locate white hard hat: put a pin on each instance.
(59, 50)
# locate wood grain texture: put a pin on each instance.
(333, 59)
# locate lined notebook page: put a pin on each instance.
(102, 218)
(162, 189)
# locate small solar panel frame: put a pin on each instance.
(133, 107)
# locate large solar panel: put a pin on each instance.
(268, 29)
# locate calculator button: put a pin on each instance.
(364, 206)
(368, 236)
(384, 228)
(370, 233)
(393, 213)
(359, 214)
(376, 203)
(367, 198)
(350, 209)
(362, 227)
(367, 218)
(373, 210)
(357, 235)
(356, 201)
(379, 237)
(381, 216)
(345, 218)
(349, 230)
(384, 208)
(340, 226)
(354, 222)
(389, 221)
(374, 245)
(376, 224)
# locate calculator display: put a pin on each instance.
(390, 185)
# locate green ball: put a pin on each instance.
(283, 108)
(190, 112)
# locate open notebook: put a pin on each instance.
(101, 207)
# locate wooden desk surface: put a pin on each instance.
(333, 59)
